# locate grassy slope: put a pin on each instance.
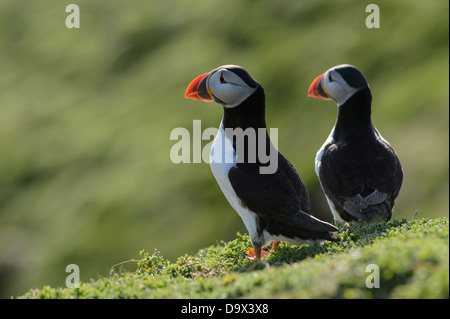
(413, 259)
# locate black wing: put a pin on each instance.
(280, 199)
(361, 181)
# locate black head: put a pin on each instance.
(229, 85)
(338, 83)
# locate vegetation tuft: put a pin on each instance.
(412, 258)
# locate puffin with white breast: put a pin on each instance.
(274, 205)
(358, 169)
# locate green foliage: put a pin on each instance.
(86, 115)
(413, 259)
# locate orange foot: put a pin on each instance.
(275, 244)
(251, 254)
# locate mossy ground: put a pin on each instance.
(412, 258)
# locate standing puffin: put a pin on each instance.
(358, 170)
(274, 206)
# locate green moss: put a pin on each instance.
(412, 258)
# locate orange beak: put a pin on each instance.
(317, 89)
(197, 89)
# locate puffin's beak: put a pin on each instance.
(317, 89)
(197, 89)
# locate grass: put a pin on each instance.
(413, 261)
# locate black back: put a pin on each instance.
(359, 161)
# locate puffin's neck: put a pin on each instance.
(354, 117)
(247, 125)
(250, 113)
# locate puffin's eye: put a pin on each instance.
(330, 79)
(222, 80)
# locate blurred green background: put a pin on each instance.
(86, 115)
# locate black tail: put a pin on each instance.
(303, 226)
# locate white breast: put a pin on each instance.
(318, 163)
(320, 153)
(222, 158)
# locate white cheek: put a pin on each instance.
(232, 95)
(340, 93)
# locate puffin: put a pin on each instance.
(266, 191)
(359, 171)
